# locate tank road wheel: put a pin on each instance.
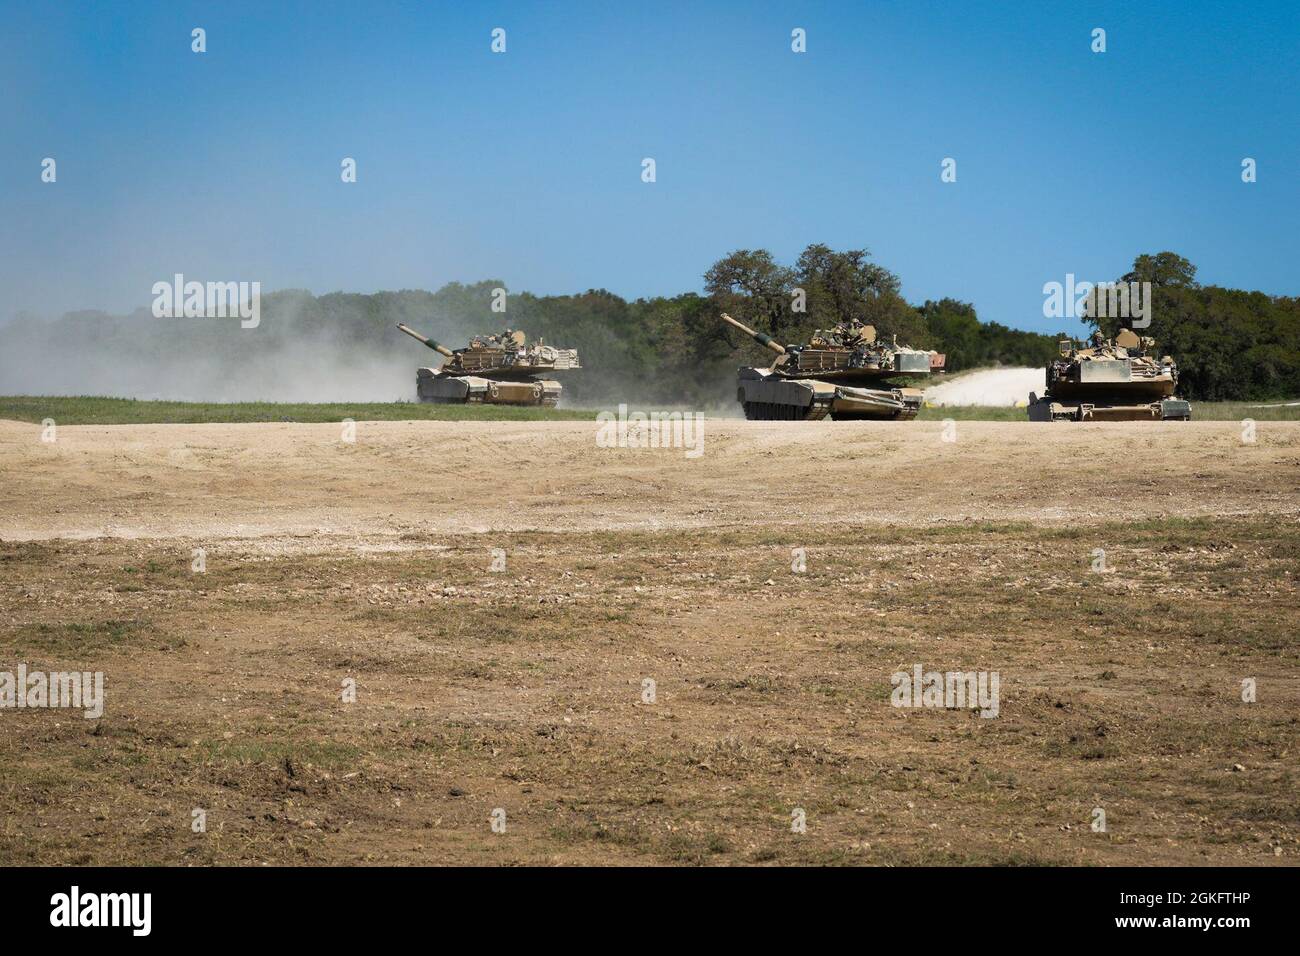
(771, 412)
(774, 412)
(902, 415)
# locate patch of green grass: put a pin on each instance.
(318, 753)
(978, 413)
(1237, 411)
(691, 849)
(99, 410)
(758, 683)
(79, 636)
(588, 830)
(500, 623)
(1004, 856)
(22, 551)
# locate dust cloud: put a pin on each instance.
(989, 386)
(335, 348)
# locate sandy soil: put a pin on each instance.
(456, 477)
(521, 686)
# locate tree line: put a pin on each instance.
(676, 351)
(1230, 344)
(668, 350)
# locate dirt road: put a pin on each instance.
(562, 653)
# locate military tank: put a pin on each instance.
(1105, 380)
(493, 370)
(844, 373)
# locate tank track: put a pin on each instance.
(777, 412)
(780, 412)
(905, 414)
(547, 402)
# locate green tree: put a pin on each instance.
(1230, 344)
(751, 286)
(1163, 270)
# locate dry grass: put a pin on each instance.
(523, 690)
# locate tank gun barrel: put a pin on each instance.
(440, 349)
(758, 337)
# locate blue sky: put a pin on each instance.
(526, 166)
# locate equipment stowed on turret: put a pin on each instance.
(1119, 381)
(493, 370)
(830, 375)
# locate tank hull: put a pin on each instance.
(766, 396)
(1051, 409)
(432, 386)
(1135, 392)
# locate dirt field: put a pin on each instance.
(525, 689)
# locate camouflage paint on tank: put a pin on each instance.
(501, 369)
(844, 372)
(1110, 380)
